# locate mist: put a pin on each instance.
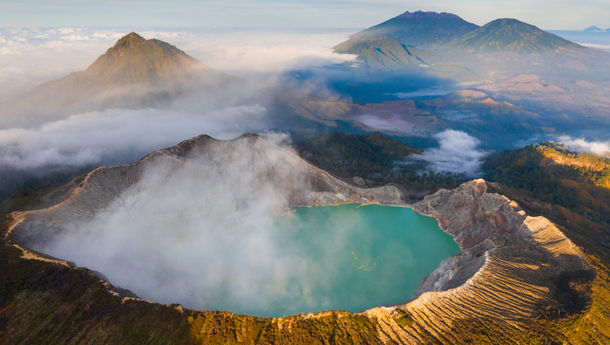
(120, 135)
(458, 153)
(36, 135)
(204, 232)
(31, 56)
(601, 148)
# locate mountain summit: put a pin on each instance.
(136, 60)
(133, 73)
(512, 35)
(594, 29)
(420, 29)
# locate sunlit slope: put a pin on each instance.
(135, 60)
(551, 173)
(134, 73)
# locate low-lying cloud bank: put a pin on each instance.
(457, 153)
(96, 137)
(30, 56)
(601, 148)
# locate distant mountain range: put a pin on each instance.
(429, 38)
(512, 35)
(596, 29)
(420, 29)
(134, 73)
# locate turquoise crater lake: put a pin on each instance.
(354, 257)
(348, 257)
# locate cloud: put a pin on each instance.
(457, 153)
(35, 55)
(205, 232)
(42, 54)
(260, 51)
(601, 148)
(434, 91)
(597, 46)
(113, 135)
(394, 124)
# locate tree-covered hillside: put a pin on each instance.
(551, 173)
(376, 158)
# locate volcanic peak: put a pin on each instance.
(427, 15)
(134, 59)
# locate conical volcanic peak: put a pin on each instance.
(514, 35)
(134, 73)
(428, 15)
(420, 29)
(136, 60)
(130, 38)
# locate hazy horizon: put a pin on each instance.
(295, 14)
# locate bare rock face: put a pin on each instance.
(505, 273)
(483, 223)
(507, 269)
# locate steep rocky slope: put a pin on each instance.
(515, 272)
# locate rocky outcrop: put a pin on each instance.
(507, 271)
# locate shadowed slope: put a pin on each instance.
(381, 52)
(420, 29)
(512, 35)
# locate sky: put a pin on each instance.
(340, 14)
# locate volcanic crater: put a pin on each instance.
(507, 268)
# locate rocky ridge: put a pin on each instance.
(507, 271)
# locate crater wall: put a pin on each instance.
(507, 271)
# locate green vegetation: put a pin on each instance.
(571, 189)
(403, 318)
(549, 173)
(21, 190)
(47, 303)
(376, 158)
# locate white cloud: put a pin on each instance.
(601, 148)
(597, 46)
(92, 138)
(394, 124)
(31, 56)
(458, 153)
(65, 31)
(435, 91)
(45, 54)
